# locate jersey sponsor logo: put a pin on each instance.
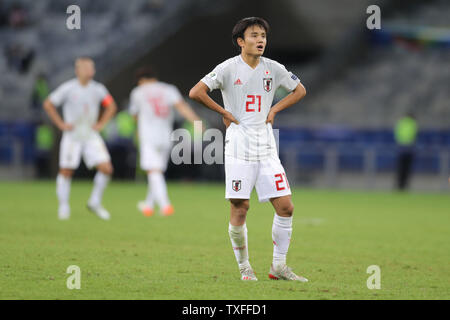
(238, 82)
(236, 185)
(267, 84)
(294, 77)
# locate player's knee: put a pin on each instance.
(242, 205)
(66, 173)
(286, 210)
(106, 168)
(110, 170)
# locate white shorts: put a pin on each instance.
(154, 157)
(93, 151)
(266, 175)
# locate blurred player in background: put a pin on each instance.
(248, 83)
(152, 103)
(80, 99)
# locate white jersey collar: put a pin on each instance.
(260, 60)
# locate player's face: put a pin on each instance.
(85, 69)
(254, 41)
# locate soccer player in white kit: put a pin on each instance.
(152, 103)
(80, 99)
(248, 83)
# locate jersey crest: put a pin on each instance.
(236, 185)
(267, 84)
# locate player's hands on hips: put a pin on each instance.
(228, 118)
(66, 126)
(270, 117)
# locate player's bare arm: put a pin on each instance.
(295, 96)
(55, 117)
(109, 112)
(186, 111)
(199, 93)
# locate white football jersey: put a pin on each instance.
(81, 105)
(153, 104)
(248, 94)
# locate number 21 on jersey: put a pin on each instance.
(250, 104)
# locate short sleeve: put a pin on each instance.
(59, 95)
(214, 79)
(174, 95)
(286, 79)
(133, 108)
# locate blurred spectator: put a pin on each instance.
(44, 141)
(154, 6)
(40, 92)
(17, 16)
(405, 137)
(19, 58)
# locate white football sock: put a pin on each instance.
(150, 200)
(238, 237)
(159, 189)
(281, 236)
(100, 182)
(63, 189)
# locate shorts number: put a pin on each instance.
(251, 99)
(281, 179)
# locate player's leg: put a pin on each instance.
(69, 160)
(272, 184)
(154, 161)
(158, 192)
(101, 180)
(147, 206)
(63, 182)
(281, 236)
(239, 180)
(145, 160)
(237, 230)
(96, 155)
(281, 229)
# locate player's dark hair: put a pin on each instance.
(243, 24)
(83, 58)
(146, 72)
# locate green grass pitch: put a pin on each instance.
(336, 236)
